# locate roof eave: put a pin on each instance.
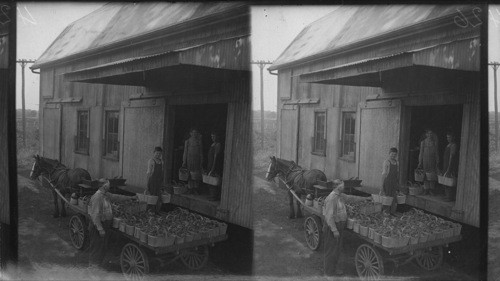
(232, 13)
(407, 31)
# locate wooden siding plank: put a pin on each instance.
(47, 83)
(471, 200)
(332, 164)
(236, 190)
(288, 133)
(284, 84)
(228, 158)
(404, 145)
(463, 165)
(52, 132)
(168, 142)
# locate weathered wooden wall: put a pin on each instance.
(237, 192)
(58, 124)
(296, 122)
(51, 135)
(467, 207)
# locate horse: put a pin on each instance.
(64, 179)
(301, 181)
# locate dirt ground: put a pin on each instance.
(494, 229)
(46, 252)
(280, 250)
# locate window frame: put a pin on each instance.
(342, 154)
(314, 149)
(77, 148)
(105, 143)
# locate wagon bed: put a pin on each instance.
(369, 257)
(135, 254)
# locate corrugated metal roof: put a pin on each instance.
(351, 24)
(116, 22)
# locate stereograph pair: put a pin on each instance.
(238, 140)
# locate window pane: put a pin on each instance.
(348, 133)
(111, 134)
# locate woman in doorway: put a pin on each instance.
(450, 165)
(428, 159)
(155, 176)
(390, 176)
(193, 159)
(214, 165)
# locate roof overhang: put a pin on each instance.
(226, 54)
(460, 55)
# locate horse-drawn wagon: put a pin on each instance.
(399, 239)
(374, 249)
(137, 252)
(187, 241)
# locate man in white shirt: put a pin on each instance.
(101, 214)
(335, 213)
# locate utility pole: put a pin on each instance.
(495, 67)
(23, 63)
(261, 65)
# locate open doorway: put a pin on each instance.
(206, 118)
(441, 119)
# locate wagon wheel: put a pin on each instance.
(313, 232)
(78, 232)
(195, 258)
(368, 262)
(134, 262)
(430, 259)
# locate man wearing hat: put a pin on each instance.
(101, 214)
(335, 213)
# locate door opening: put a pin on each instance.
(442, 119)
(207, 119)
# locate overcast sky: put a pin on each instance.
(38, 25)
(273, 29)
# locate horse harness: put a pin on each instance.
(55, 171)
(290, 170)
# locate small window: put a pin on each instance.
(111, 144)
(82, 133)
(319, 138)
(348, 145)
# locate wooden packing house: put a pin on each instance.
(364, 79)
(129, 77)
